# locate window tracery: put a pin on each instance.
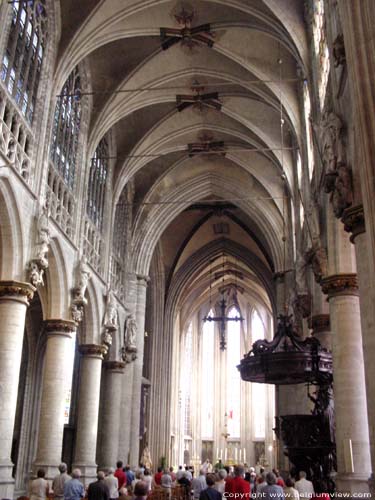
(63, 152)
(117, 268)
(66, 128)
(186, 389)
(95, 205)
(97, 184)
(23, 57)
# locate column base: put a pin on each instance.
(88, 472)
(51, 470)
(6, 480)
(352, 483)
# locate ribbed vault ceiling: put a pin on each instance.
(256, 65)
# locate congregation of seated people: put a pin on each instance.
(209, 483)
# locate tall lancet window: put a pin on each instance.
(309, 140)
(66, 128)
(186, 388)
(97, 184)
(233, 375)
(208, 377)
(259, 391)
(23, 57)
(321, 49)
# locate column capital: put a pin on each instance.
(62, 327)
(92, 350)
(340, 284)
(354, 221)
(143, 279)
(320, 323)
(17, 290)
(115, 366)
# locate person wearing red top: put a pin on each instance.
(172, 474)
(279, 479)
(120, 474)
(157, 476)
(228, 481)
(238, 483)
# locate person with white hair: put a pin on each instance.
(60, 480)
(112, 482)
(304, 487)
(199, 484)
(220, 481)
(272, 491)
(73, 488)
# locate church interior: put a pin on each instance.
(187, 236)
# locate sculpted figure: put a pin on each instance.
(130, 334)
(77, 313)
(331, 140)
(317, 257)
(110, 320)
(337, 180)
(83, 279)
(36, 274)
(43, 239)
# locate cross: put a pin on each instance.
(222, 320)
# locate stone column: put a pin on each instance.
(51, 423)
(88, 410)
(354, 223)
(137, 369)
(14, 299)
(353, 467)
(114, 371)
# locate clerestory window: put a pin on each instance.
(24, 54)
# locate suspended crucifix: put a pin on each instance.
(222, 319)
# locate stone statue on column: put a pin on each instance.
(337, 175)
(110, 319)
(79, 300)
(146, 458)
(129, 350)
(130, 333)
(84, 275)
(39, 263)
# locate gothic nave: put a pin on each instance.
(174, 176)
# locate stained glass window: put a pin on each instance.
(208, 377)
(23, 57)
(188, 368)
(66, 128)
